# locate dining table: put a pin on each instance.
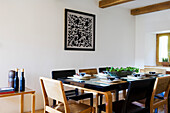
(100, 87)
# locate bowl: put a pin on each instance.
(152, 72)
(111, 78)
(136, 75)
(82, 74)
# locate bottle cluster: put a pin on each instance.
(18, 83)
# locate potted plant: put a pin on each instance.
(165, 62)
(122, 72)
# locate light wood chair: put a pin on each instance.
(157, 70)
(162, 84)
(91, 71)
(54, 89)
(73, 93)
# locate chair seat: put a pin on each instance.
(117, 107)
(156, 100)
(75, 107)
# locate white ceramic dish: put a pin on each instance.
(135, 78)
(85, 77)
(102, 75)
(109, 81)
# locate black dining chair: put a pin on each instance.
(137, 90)
(71, 94)
(101, 69)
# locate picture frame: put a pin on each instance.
(79, 30)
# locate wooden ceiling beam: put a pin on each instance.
(108, 3)
(151, 8)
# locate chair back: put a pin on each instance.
(140, 89)
(162, 84)
(62, 73)
(89, 71)
(53, 89)
(157, 70)
(101, 69)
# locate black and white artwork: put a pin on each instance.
(79, 30)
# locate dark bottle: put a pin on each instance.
(22, 81)
(16, 80)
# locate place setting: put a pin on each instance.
(109, 80)
(103, 74)
(81, 76)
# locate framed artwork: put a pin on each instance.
(79, 30)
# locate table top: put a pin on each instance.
(93, 83)
(97, 84)
(27, 91)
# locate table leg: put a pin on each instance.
(82, 92)
(22, 103)
(108, 97)
(33, 103)
(117, 95)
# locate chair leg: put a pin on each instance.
(77, 91)
(97, 102)
(54, 102)
(101, 98)
(166, 108)
(91, 101)
(124, 93)
(45, 110)
(82, 92)
(93, 110)
(151, 110)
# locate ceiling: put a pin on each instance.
(140, 3)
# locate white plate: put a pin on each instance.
(135, 78)
(101, 75)
(109, 81)
(82, 77)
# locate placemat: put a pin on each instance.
(111, 82)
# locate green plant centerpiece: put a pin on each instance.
(121, 72)
(165, 62)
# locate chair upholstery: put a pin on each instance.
(137, 90)
(54, 89)
(75, 107)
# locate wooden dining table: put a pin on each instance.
(97, 86)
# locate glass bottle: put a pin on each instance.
(16, 80)
(22, 81)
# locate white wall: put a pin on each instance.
(32, 37)
(147, 26)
